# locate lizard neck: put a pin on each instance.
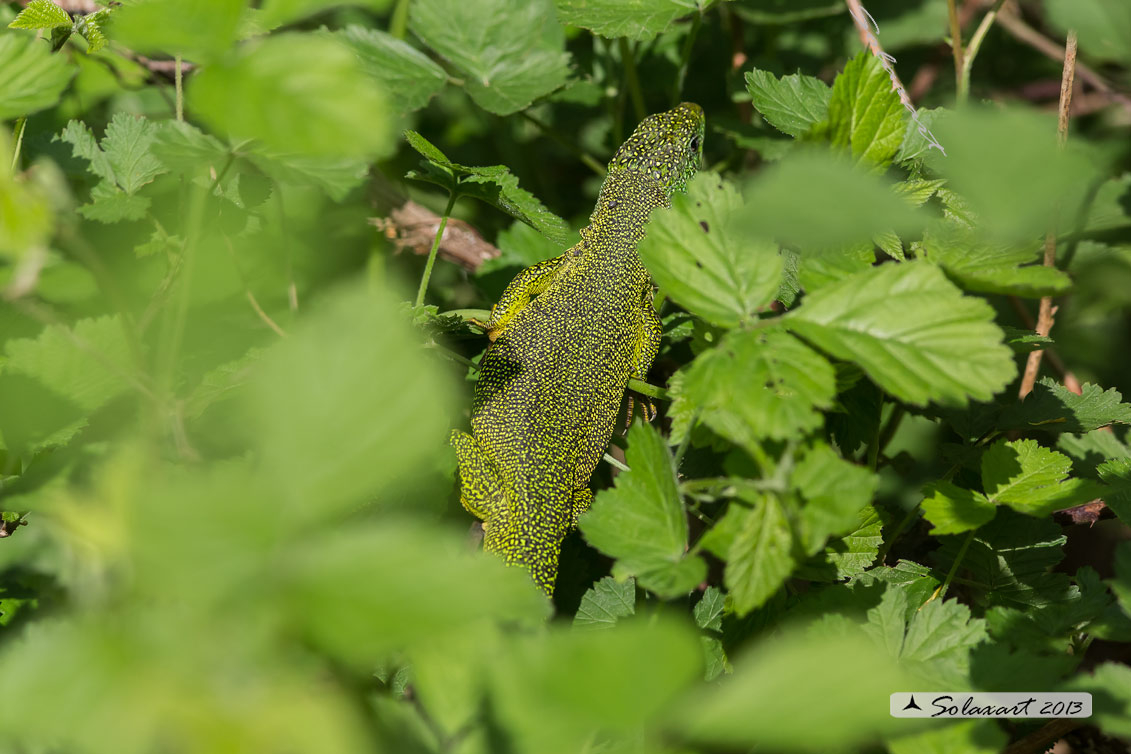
(619, 220)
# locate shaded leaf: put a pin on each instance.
(604, 603)
(790, 104)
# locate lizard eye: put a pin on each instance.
(694, 143)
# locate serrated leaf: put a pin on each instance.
(1121, 584)
(865, 114)
(1024, 341)
(843, 205)
(90, 27)
(33, 77)
(850, 555)
(334, 176)
(791, 104)
(1033, 479)
(641, 521)
(84, 145)
(757, 545)
(917, 139)
(496, 185)
(1051, 407)
(332, 111)
(836, 493)
(200, 30)
(409, 76)
(511, 51)
(758, 385)
(87, 362)
(912, 331)
(184, 148)
(708, 612)
(1110, 687)
(126, 145)
(639, 20)
(109, 204)
(819, 267)
(936, 648)
(606, 602)
(697, 255)
(994, 268)
(40, 14)
(952, 509)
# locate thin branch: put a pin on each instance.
(1046, 311)
(972, 49)
(178, 70)
(435, 247)
(955, 40)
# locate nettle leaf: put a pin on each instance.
(1010, 560)
(987, 267)
(511, 51)
(1032, 479)
(791, 104)
(843, 204)
(409, 76)
(200, 30)
(758, 385)
(494, 184)
(1051, 407)
(639, 20)
(698, 256)
(127, 147)
(850, 555)
(836, 493)
(33, 77)
(90, 27)
(912, 331)
(606, 602)
(333, 110)
(641, 521)
(952, 509)
(109, 204)
(865, 114)
(757, 545)
(85, 362)
(41, 14)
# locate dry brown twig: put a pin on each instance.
(1046, 311)
(413, 227)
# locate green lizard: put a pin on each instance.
(567, 335)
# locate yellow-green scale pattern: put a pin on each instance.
(566, 336)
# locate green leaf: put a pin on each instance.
(912, 331)
(409, 76)
(89, 362)
(511, 51)
(25, 213)
(276, 13)
(40, 14)
(790, 104)
(757, 705)
(1104, 26)
(496, 185)
(1033, 479)
(639, 20)
(814, 199)
(127, 146)
(1121, 584)
(757, 545)
(90, 27)
(200, 30)
(84, 145)
(1051, 407)
(835, 491)
(332, 111)
(936, 648)
(865, 114)
(915, 143)
(758, 385)
(994, 268)
(1006, 164)
(641, 522)
(33, 77)
(1110, 687)
(959, 737)
(109, 204)
(847, 556)
(696, 254)
(520, 246)
(953, 510)
(819, 267)
(708, 612)
(606, 602)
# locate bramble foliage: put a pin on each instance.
(228, 508)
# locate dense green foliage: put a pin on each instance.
(229, 512)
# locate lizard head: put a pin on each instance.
(666, 147)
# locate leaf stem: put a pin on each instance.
(686, 441)
(685, 58)
(972, 50)
(955, 40)
(941, 591)
(178, 81)
(435, 247)
(398, 25)
(631, 79)
(21, 126)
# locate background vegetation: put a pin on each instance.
(231, 350)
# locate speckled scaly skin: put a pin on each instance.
(566, 336)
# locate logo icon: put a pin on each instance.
(912, 705)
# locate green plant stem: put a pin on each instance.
(955, 40)
(941, 592)
(398, 24)
(686, 441)
(178, 81)
(972, 50)
(685, 58)
(631, 79)
(874, 446)
(615, 463)
(18, 132)
(890, 541)
(435, 247)
(587, 159)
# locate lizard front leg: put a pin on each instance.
(649, 332)
(481, 489)
(525, 286)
